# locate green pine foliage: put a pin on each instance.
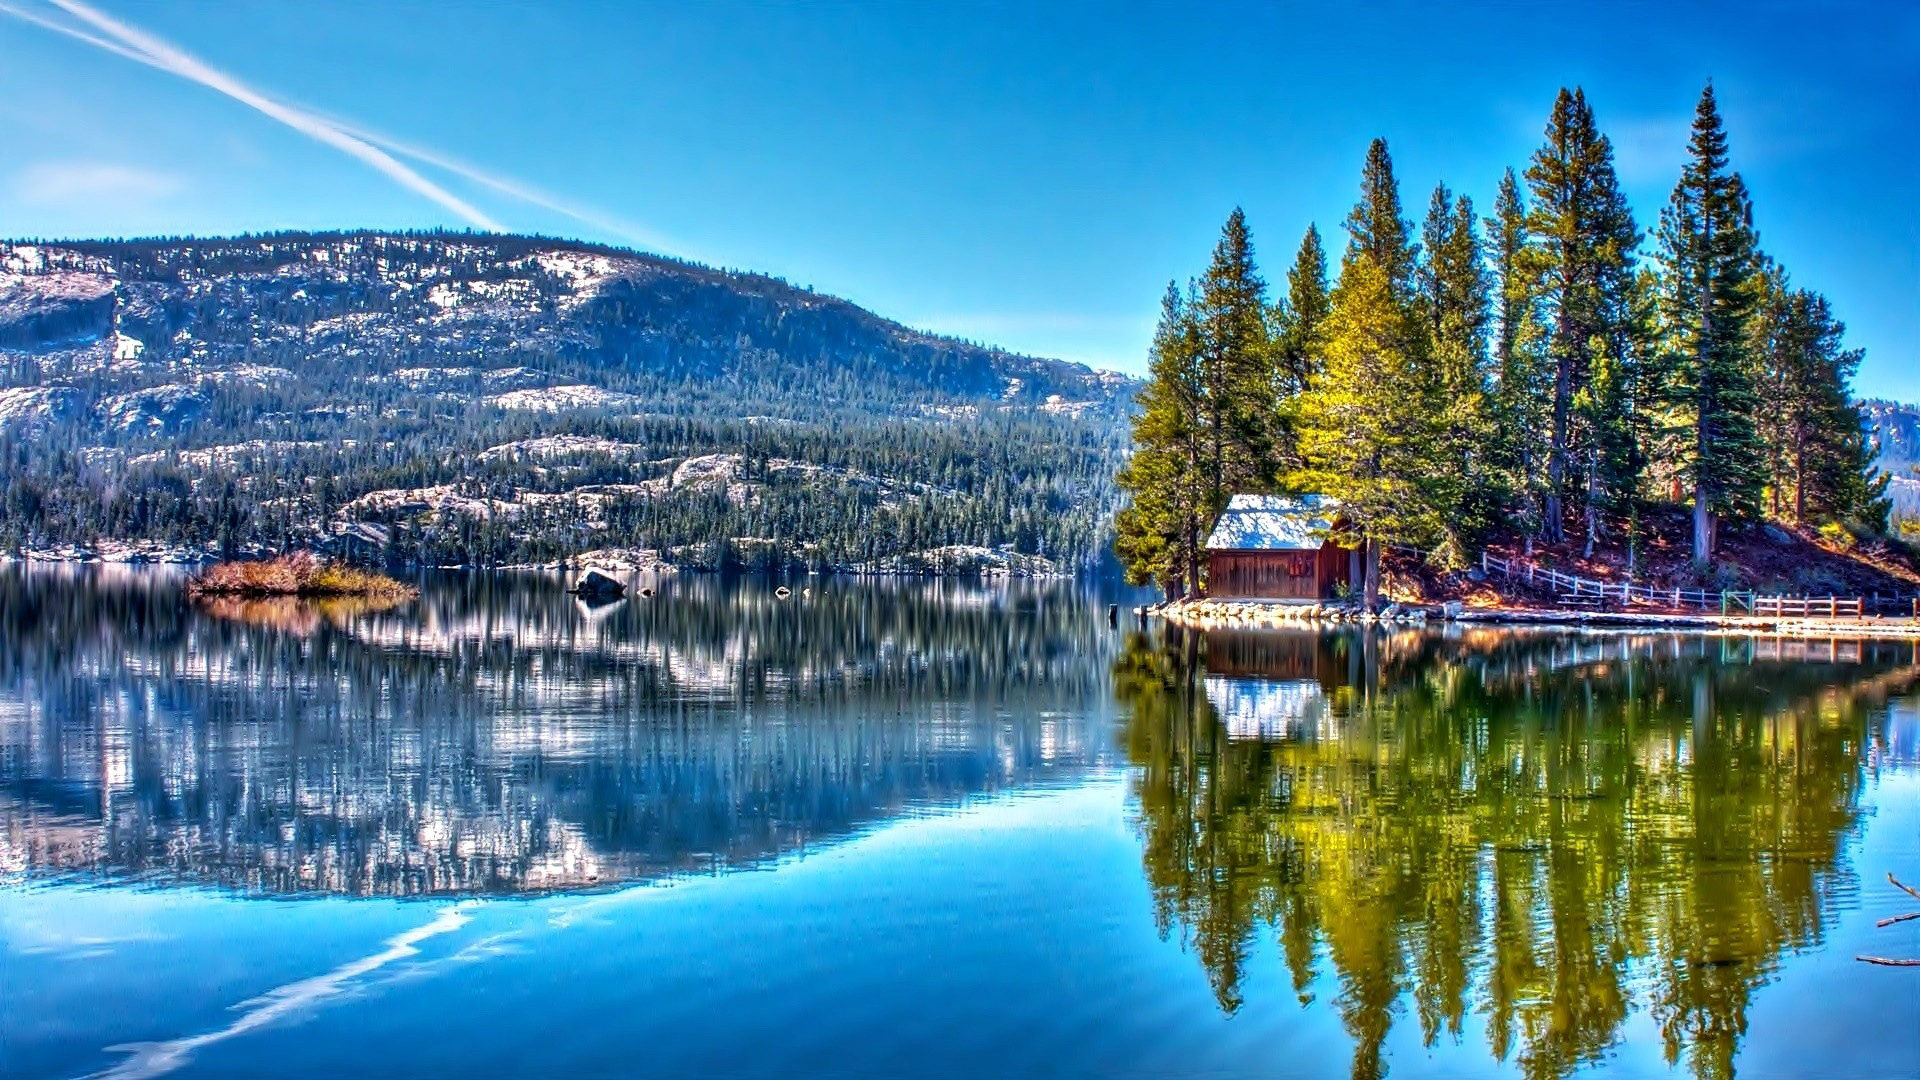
(1303, 314)
(1819, 458)
(1711, 284)
(1375, 225)
(1580, 255)
(1230, 318)
(1456, 293)
(1524, 378)
(1372, 419)
(1159, 532)
(1526, 371)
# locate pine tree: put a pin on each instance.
(1581, 256)
(1372, 424)
(1230, 315)
(1818, 451)
(1710, 284)
(1301, 323)
(1375, 225)
(1159, 532)
(1523, 395)
(1304, 314)
(1369, 422)
(1454, 298)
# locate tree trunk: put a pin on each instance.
(1552, 525)
(1800, 484)
(1593, 502)
(1702, 525)
(1705, 394)
(1373, 575)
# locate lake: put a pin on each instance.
(927, 827)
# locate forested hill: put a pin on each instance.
(506, 398)
(1896, 431)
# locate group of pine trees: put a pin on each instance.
(1531, 370)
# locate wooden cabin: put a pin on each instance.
(1275, 547)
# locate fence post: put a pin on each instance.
(1723, 602)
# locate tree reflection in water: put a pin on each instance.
(1551, 832)
(494, 737)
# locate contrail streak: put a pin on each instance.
(526, 193)
(123, 40)
(516, 189)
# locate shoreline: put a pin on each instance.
(1207, 614)
(190, 558)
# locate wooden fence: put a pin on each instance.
(1577, 591)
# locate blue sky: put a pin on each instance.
(1027, 175)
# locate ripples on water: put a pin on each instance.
(1437, 852)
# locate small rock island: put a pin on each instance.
(300, 574)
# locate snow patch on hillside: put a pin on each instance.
(440, 500)
(156, 409)
(33, 407)
(547, 447)
(562, 398)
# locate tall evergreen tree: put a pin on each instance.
(1523, 397)
(1230, 316)
(1710, 265)
(1375, 224)
(1372, 425)
(1369, 422)
(1301, 324)
(1581, 257)
(1455, 294)
(1304, 314)
(1159, 532)
(1821, 462)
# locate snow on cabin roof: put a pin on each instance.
(1273, 523)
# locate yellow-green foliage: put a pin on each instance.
(1837, 535)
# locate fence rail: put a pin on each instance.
(1587, 592)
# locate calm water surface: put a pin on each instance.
(933, 828)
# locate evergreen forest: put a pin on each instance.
(1555, 370)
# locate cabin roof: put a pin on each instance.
(1273, 523)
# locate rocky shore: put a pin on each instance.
(1218, 614)
(1205, 613)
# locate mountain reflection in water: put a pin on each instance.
(496, 737)
(1546, 833)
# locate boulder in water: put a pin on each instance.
(598, 586)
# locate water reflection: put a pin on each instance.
(1535, 837)
(495, 737)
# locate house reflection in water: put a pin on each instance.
(1266, 708)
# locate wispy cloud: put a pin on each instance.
(70, 183)
(105, 32)
(101, 31)
(527, 193)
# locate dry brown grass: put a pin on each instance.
(300, 574)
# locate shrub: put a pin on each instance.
(1838, 535)
(300, 574)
